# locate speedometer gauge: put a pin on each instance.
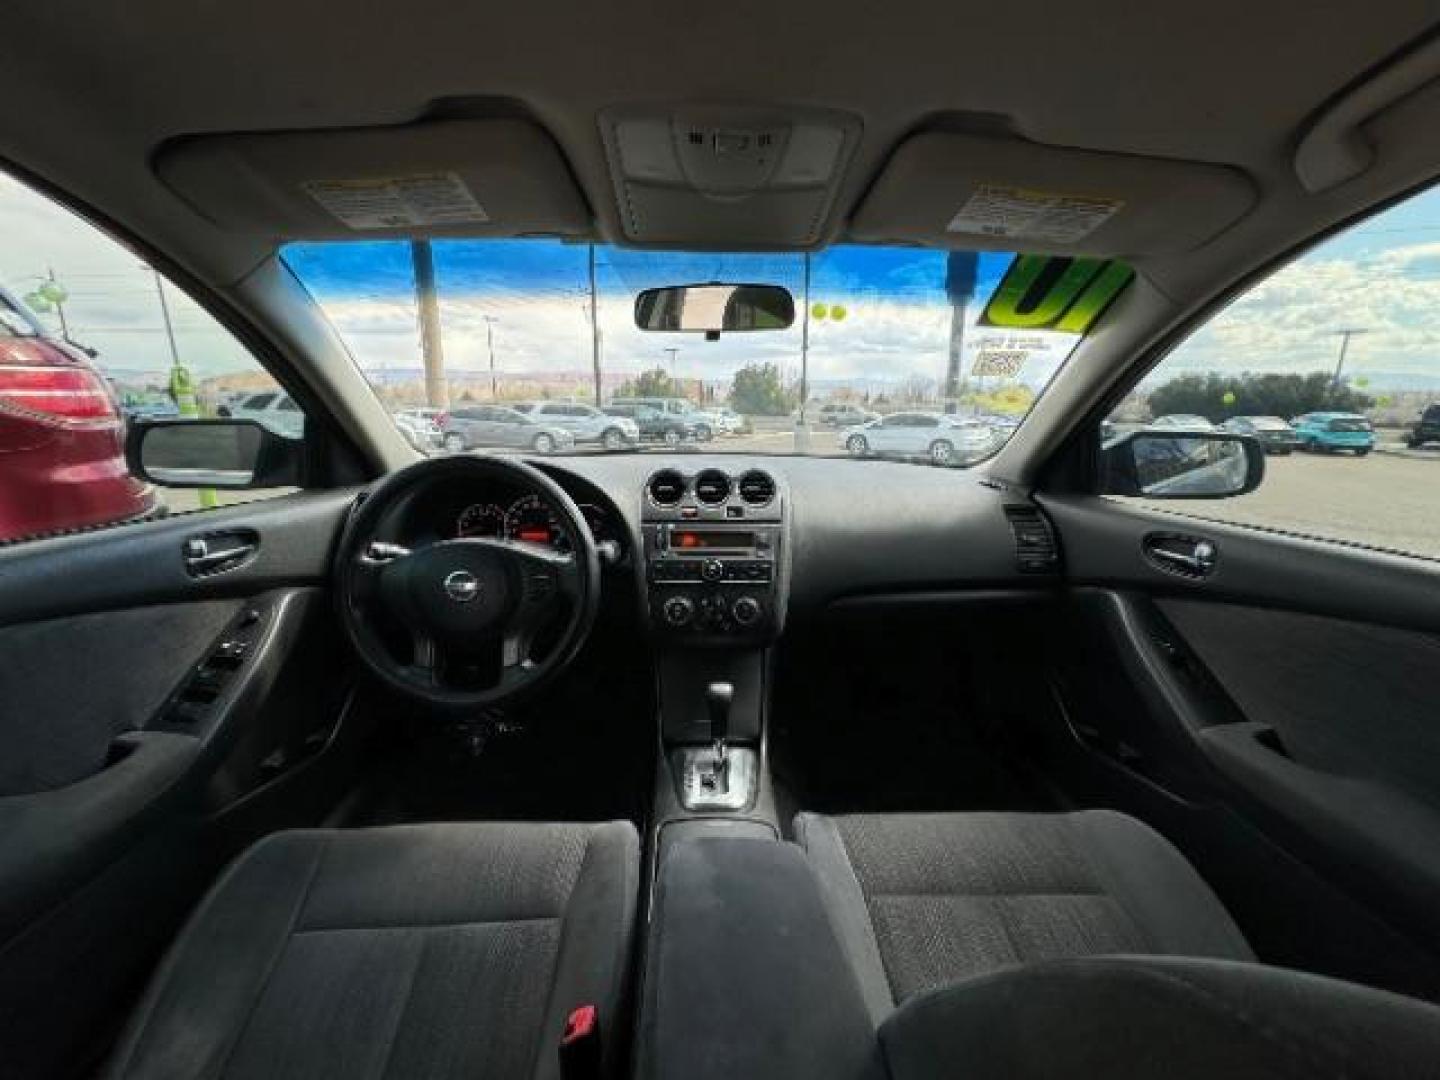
(533, 522)
(481, 519)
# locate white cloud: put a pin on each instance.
(1290, 322)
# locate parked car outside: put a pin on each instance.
(1334, 431)
(723, 419)
(587, 423)
(1426, 429)
(943, 439)
(497, 425)
(424, 412)
(844, 414)
(274, 409)
(1182, 422)
(149, 407)
(702, 427)
(62, 436)
(1274, 434)
(657, 425)
(422, 432)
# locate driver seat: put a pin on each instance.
(425, 951)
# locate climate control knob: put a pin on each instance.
(678, 610)
(712, 570)
(746, 611)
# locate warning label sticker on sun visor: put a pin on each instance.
(1025, 214)
(395, 202)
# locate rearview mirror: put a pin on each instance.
(715, 308)
(230, 454)
(1184, 465)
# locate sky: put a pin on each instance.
(1381, 277)
(113, 305)
(534, 297)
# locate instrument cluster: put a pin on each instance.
(528, 519)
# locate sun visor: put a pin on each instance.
(970, 191)
(446, 178)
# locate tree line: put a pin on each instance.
(1219, 397)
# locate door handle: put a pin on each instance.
(1188, 556)
(214, 553)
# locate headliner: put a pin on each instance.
(92, 92)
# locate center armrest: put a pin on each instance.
(744, 975)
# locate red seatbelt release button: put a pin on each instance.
(580, 1044)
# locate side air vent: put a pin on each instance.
(712, 487)
(1035, 550)
(757, 488)
(667, 488)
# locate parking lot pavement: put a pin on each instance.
(1387, 500)
(1384, 500)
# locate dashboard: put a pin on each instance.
(852, 529)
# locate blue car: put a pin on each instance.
(1332, 431)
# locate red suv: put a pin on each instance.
(62, 436)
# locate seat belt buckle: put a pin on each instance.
(580, 1044)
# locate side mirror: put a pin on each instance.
(233, 454)
(714, 308)
(1183, 465)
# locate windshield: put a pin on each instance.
(547, 330)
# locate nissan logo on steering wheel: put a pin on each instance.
(462, 586)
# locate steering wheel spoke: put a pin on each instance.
(424, 664)
(374, 559)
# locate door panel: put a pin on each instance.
(144, 710)
(58, 727)
(1294, 684)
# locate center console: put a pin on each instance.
(714, 555)
(714, 545)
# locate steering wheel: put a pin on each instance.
(474, 597)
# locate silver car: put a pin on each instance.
(943, 439)
(585, 422)
(496, 425)
(273, 409)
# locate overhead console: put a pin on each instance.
(706, 174)
(714, 547)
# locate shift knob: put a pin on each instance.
(718, 696)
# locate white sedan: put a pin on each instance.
(943, 439)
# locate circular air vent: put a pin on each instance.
(667, 488)
(757, 488)
(712, 487)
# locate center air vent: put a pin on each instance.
(757, 488)
(1035, 550)
(712, 487)
(667, 488)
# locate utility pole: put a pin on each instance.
(427, 303)
(1345, 336)
(594, 332)
(165, 317)
(182, 384)
(805, 345)
(673, 353)
(960, 272)
(490, 321)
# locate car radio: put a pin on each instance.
(712, 568)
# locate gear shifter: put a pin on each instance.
(717, 778)
(718, 697)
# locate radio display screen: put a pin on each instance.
(712, 540)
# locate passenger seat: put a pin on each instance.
(920, 901)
